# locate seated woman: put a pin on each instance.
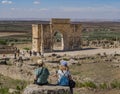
(63, 74)
(41, 74)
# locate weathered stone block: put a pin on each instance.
(46, 89)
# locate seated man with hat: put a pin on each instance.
(41, 74)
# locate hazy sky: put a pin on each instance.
(82, 9)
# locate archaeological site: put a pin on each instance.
(56, 35)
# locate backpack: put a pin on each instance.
(64, 81)
(43, 76)
(72, 83)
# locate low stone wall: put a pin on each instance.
(48, 89)
(7, 51)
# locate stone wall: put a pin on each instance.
(35, 89)
(7, 49)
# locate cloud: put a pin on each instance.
(12, 8)
(6, 2)
(105, 12)
(44, 9)
(90, 9)
(29, 10)
(36, 2)
(101, 12)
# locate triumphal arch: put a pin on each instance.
(56, 35)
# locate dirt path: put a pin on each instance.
(5, 34)
(88, 52)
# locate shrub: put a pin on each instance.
(66, 59)
(115, 84)
(79, 84)
(18, 87)
(4, 91)
(26, 49)
(103, 86)
(3, 42)
(86, 84)
(90, 84)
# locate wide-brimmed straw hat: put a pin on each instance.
(40, 62)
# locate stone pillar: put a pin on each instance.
(51, 37)
(42, 41)
(62, 41)
(35, 38)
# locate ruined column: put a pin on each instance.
(62, 40)
(51, 37)
(42, 41)
(35, 37)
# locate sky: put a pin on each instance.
(76, 9)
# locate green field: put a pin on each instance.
(100, 35)
(91, 31)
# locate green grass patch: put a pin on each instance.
(90, 84)
(26, 49)
(4, 91)
(87, 84)
(115, 84)
(79, 84)
(103, 86)
(3, 42)
(100, 35)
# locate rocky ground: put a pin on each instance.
(95, 71)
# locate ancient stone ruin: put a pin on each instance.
(34, 89)
(56, 35)
(7, 49)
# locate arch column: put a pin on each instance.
(51, 30)
(62, 43)
(42, 40)
(66, 42)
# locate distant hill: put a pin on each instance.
(48, 19)
(20, 24)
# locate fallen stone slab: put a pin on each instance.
(46, 89)
(13, 91)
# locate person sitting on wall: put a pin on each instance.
(64, 76)
(41, 74)
(63, 72)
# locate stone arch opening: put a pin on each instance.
(58, 42)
